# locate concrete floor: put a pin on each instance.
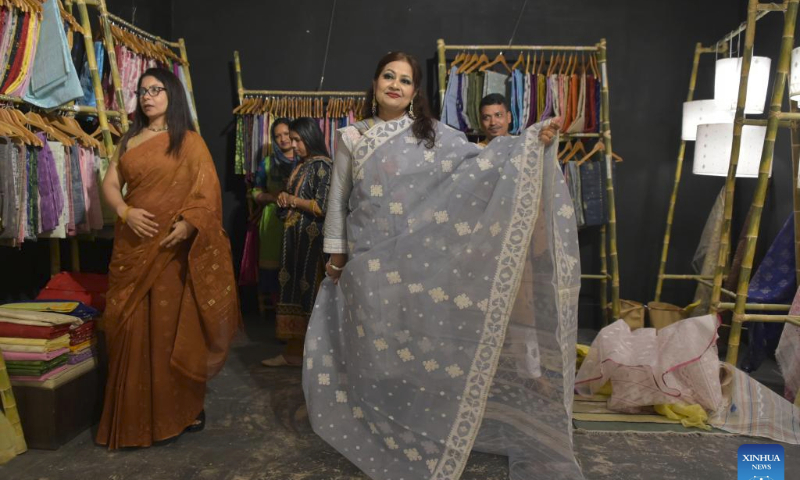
(257, 429)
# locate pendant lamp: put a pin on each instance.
(712, 150)
(726, 83)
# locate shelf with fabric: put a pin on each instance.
(544, 82)
(131, 50)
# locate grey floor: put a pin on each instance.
(257, 429)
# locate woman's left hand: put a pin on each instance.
(181, 230)
(547, 134)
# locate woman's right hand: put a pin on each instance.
(337, 260)
(141, 222)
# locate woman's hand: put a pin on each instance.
(181, 230)
(263, 198)
(141, 222)
(335, 266)
(284, 200)
(547, 134)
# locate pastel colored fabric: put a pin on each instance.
(453, 324)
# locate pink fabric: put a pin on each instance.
(41, 378)
(94, 209)
(248, 270)
(788, 353)
(46, 356)
(678, 364)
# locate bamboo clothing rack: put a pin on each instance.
(106, 21)
(776, 119)
(608, 233)
(243, 92)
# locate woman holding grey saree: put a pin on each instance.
(450, 317)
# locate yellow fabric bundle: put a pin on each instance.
(689, 415)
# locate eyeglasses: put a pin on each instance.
(153, 91)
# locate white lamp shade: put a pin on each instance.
(794, 76)
(712, 150)
(726, 83)
(701, 112)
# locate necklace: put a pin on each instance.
(156, 130)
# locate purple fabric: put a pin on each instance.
(79, 357)
(532, 111)
(548, 103)
(51, 201)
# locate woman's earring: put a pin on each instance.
(374, 107)
(411, 110)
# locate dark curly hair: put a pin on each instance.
(422, 128)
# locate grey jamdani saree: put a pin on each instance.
(453, 325)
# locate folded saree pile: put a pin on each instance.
(38, 343)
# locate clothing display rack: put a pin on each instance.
(296, 103)
(719, 48)
(608, 232)
(163, 50)
(775, 119)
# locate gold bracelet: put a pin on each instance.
(124, 216)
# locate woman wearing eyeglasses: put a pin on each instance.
(172, 306)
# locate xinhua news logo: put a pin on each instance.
(761, 462)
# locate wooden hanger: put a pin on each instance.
(567, 148)
(578, 148)
(551, 65)
(482, 60)
(501, 59)
(519, 61)
(14, 130)
(468, 63)
(460, 57)
(598, 147)
(541, 64)
(37, 121)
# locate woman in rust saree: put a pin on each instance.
(172, 307)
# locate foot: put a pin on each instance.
(282, 361)
(198, 424)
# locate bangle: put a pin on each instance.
(294, 202)
(124, 216)
(335, 268)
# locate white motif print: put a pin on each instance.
(381, 344)
(441, 216)
(484, 164)
(462, 301)
(463, 228)
(566, 211)
(324, 379)
(415, 288)
(412, 454)
(430, 365)
(341, 396)
(447, 166)
(396, 208)
(376, 190)
(454, 371)
(438, 295)
(405, 355)
(393, 277)
(374, 265)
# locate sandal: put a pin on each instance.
(199, 423)
(279, 361)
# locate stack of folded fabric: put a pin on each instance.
(81, 343)
(35, 345)
(80, 332)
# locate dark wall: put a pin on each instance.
(650, 54)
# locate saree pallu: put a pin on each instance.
(453, 325)
(302, 259)
(171, 312)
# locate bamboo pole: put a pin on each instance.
(675, 276)
(730, 181)
(612, 214)
(55, 257)
(793, 319)
(116, 80)
(75, 255)
(440, 50)
(795, 138)
(722, 290)
(187, 75)
(98, 87)
(590, 276)
(778, 88)
(678, 170)
(531, 48)
(605, 276)
(765, 307)
(10, 407)
(302, 93)
(237, 65)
